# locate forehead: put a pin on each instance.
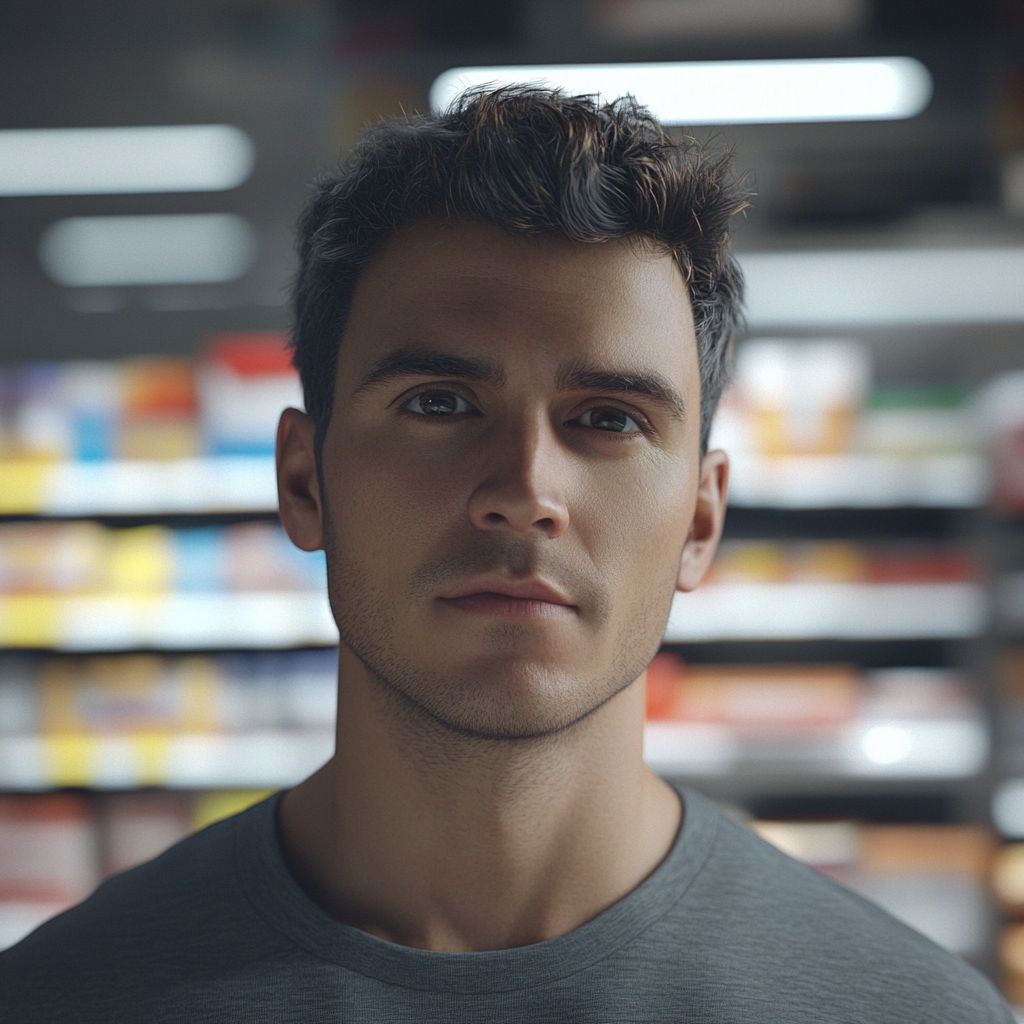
(471, 287)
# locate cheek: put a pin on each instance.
(383, 498)
(635, 527)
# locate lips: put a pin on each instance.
(500, 586)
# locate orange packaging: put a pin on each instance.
(769, 697)
(253, 354)
(927, 850)
(663, 676)
(752, 696)
(160, 410)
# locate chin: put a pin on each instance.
(499, 699)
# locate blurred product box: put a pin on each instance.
(916, 421)
(245, 380)
(159, 414)
(812, 398)
(128, 693)
(151, 695)
(841, 562)
(136, 408)
(802, 397)
(85, 557)
(1008, 888)
(788, 699)
(226, 402)
(752, 697)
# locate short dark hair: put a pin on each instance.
(531, 161)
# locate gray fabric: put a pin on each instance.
(726, 931)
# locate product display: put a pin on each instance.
(183, 722)
(766, 589)
(83, 586)
(164, 673)
(804, 429)
(146, 435)
(225, 403)
(826, 719)
(151, 436)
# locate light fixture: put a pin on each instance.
(881, 287)
(97, 161)
(728, 92)
(193, 248)
(886, 744)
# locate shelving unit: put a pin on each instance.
(873, 760)
(872, 764)
(732, 621)
(246, 484)
(271, 759)
(171, 622)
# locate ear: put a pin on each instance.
(708, 520)
(298, 489)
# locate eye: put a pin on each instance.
(438, 403)
(613, 421)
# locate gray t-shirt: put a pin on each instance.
(727, 930)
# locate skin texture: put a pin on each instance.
(510, 491)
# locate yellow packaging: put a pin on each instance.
(140, 560)
(30, 620)
(22, 484)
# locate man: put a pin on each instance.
(511, 328)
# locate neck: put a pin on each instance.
(447, 842)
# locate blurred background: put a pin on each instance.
(850, 679)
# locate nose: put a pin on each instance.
(523, 485)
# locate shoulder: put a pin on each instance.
(156, 926)
(773, 922)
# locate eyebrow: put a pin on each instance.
(626, 382)
(425, 362)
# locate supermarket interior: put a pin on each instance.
(849, 678)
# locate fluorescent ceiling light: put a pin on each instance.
(885, 286)
(95, 161)
(729, 92)
(194, 248)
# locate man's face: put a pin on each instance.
(510, 472)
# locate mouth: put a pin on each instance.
(503, 598)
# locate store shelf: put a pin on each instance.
(232, 484)
(858, 481)
(854, 611)
(197, 621)
(139, 487)
(268, 759)
(948, 748)
(276, 620)
(930, 749)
